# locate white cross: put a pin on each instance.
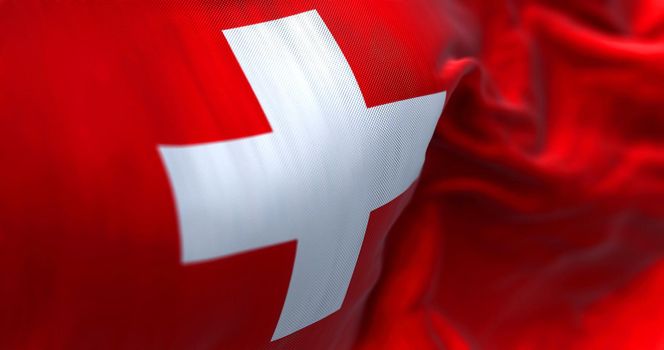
(328, 162)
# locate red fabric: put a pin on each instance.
(539, 220)
(537, 223)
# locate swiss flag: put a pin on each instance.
(246, 175)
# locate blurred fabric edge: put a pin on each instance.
(543, 192)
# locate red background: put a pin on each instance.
(537, 223)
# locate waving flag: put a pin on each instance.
(325, 175)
